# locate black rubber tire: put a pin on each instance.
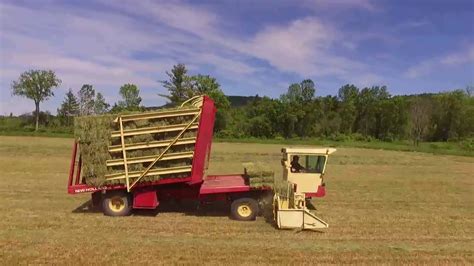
(96, 200)
(250, 204)
(123, 196)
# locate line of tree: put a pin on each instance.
(39, 85)
(355, 113)
(360, 114)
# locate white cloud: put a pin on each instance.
(98, 48)
(361, 4)
(137, 41)
(301, 46)
(367, 80)
(291, 48)
(411, 24)
(224, 64)
(459, 58)
(453, 59)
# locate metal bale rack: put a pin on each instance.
(199, 115)
(136, 176)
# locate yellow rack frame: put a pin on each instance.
(191, 107)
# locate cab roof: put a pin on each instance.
(302, 150)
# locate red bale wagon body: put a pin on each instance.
(120, 199)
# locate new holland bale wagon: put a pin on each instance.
(161, 180)
(193, 183)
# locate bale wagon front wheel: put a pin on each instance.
(117, 203)
(244, 209)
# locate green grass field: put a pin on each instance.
(462, 148)
(382, 207)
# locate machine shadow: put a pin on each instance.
(87, 207)
(193, 208)
(189, 208)
(186, 207)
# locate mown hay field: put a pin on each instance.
(382, 207)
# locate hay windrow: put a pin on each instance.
(94, 136)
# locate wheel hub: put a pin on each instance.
(244, 210)
(116, 204)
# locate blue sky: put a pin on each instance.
(251, 47)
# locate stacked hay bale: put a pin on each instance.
(94, 134)
(259, 175)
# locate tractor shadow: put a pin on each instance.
(87, 207)
(193, 208)
(189, 208)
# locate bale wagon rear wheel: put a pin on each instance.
(117, 203)
(244, 209)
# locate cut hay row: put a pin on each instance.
(144, 139)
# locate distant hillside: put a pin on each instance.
(238, 101)
(235, 101)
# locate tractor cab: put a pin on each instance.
(305, 168)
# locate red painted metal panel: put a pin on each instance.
(225, 184)
(319, 194)
(72, 164)
(203, 140)
(210, 198)
(206, 191)
(178, 192)
(82, 188)
(145, 199)
(78, 173)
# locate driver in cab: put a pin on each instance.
(296, 166)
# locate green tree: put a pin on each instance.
(237, 121)
(260, 126)
(468, 118)
(288, 117)
(131, 97)
(348, 95)
(86, 96)
(265, 111)
(294, 94)
(329, 121)
(37, 85)
(182, 87)
(392, 118)
(300, 92)
(69, 108)
(449, 115)
(308, 89)
(470, 90)
(420, 115)
(100, 105)
(177, 84)
(368, 110)
(298, 115)
(207, 85)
